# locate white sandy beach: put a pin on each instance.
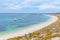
(29, 30)
(55, 38)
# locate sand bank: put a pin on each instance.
(30, 29)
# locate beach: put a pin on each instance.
(30, 30)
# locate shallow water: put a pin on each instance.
(9, 22)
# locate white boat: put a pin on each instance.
(15, 19)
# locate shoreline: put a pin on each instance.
(29, 30)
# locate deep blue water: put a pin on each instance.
(10, 21)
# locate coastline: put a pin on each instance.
(29, 30)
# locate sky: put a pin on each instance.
(29, 6)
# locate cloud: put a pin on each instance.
(14, 7)
(42, 4)
(39, 4)
(30, 2)
(10, 4)
(47, 6)
(53, 4)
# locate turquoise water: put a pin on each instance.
(10, 22)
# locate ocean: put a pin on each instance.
(14, 21)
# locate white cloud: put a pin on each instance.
(55, 3)
(44, 4)
(28, 2)
(10, 4)
(14, 7)
(47, 6)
